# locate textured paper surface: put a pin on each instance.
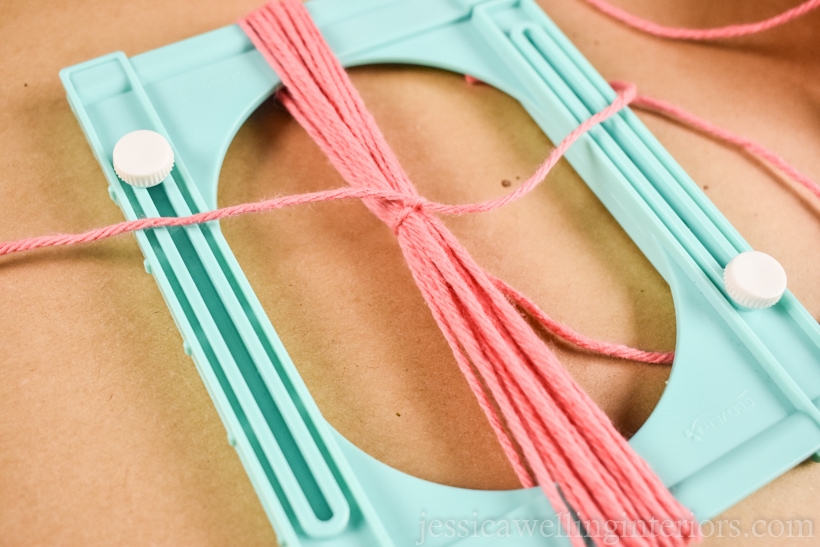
(107, 435)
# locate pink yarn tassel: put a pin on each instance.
(552, 432)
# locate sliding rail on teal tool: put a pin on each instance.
(741, 406)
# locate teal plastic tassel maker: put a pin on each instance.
(741, 406)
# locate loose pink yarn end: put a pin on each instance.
(677, 33)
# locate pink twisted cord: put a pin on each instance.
(730, 31)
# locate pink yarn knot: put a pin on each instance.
(412, 205)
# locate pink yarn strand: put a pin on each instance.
(676, 33)
(557, 329)
(98, 234)
(576, 339)
(708, 128)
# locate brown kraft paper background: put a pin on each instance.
(107, 435)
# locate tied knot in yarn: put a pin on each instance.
(407, 205)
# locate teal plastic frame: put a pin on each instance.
(741, 406)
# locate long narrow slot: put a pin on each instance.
(242, 357)
(244, 361)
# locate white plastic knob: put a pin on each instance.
(755, 280)
(143, 158)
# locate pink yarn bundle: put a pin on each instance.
(552, 432)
